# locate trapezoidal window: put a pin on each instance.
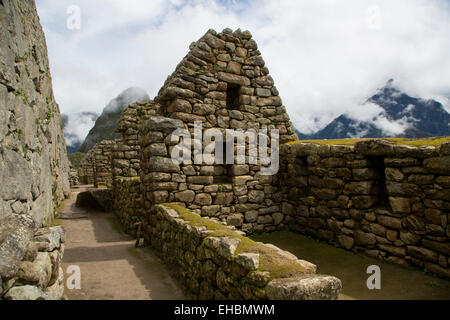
(380, 180)
(224, 175)
(233, 96)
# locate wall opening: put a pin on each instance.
(224, 174)
(380, 180)
(233, 96)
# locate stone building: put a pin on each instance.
(223, 83)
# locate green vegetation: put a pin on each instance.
(76, 158)
(434, 141)
(21, 93)
(270, 260)
(57, 222)
(22, 58)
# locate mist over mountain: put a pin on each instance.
(76, 127)
(105, 125)
(389, 113)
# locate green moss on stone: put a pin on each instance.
(270, 259)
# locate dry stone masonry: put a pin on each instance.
(389, 201)
(34, 167)
(214, 262)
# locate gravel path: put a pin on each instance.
(111, 268)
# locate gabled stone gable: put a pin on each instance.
(224, 82)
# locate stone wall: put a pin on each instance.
(34, 167)
(126, 158)
(40, 275)
(215, 262)
(224, 82)
(96, 166)
(389, 201)
(247, 200)
(86, 172)
(128, 203)
(102, 163)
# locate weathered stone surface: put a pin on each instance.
(240, 170)
(409, 237)
(26, 293)
(256, 196)
(390, 222)
(375, 147)
(37, 272)
(224, 198)
(345, 241)
(437, 246)
(278, 218)
(250, 261)
(236, 219)
(251, 216)
(17, 234)
(161, 164)
(227, 247)
(49, 239)
(423, 253)
(439, 165)
(400, 205)
(308, 287)
(203, 199)
(235, 79)
(15, 175)
(365, 239)
(185, 196)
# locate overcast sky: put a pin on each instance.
(326, 56)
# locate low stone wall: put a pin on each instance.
(391, 202)
(215, 262)
(40, 275)
(128, 203)
(86, 172)
(102, 163)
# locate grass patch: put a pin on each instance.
(433, 141)
(270, 260)
(57, 222)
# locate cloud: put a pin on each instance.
(327, 57)
(77, 127)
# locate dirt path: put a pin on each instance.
(111, 268)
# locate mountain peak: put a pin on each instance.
(390, 113)
(105, 126)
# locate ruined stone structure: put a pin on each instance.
(34, 166)
(389, 201)
(86, 171)
(214, 262)
(96, 167)
(126, 159)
